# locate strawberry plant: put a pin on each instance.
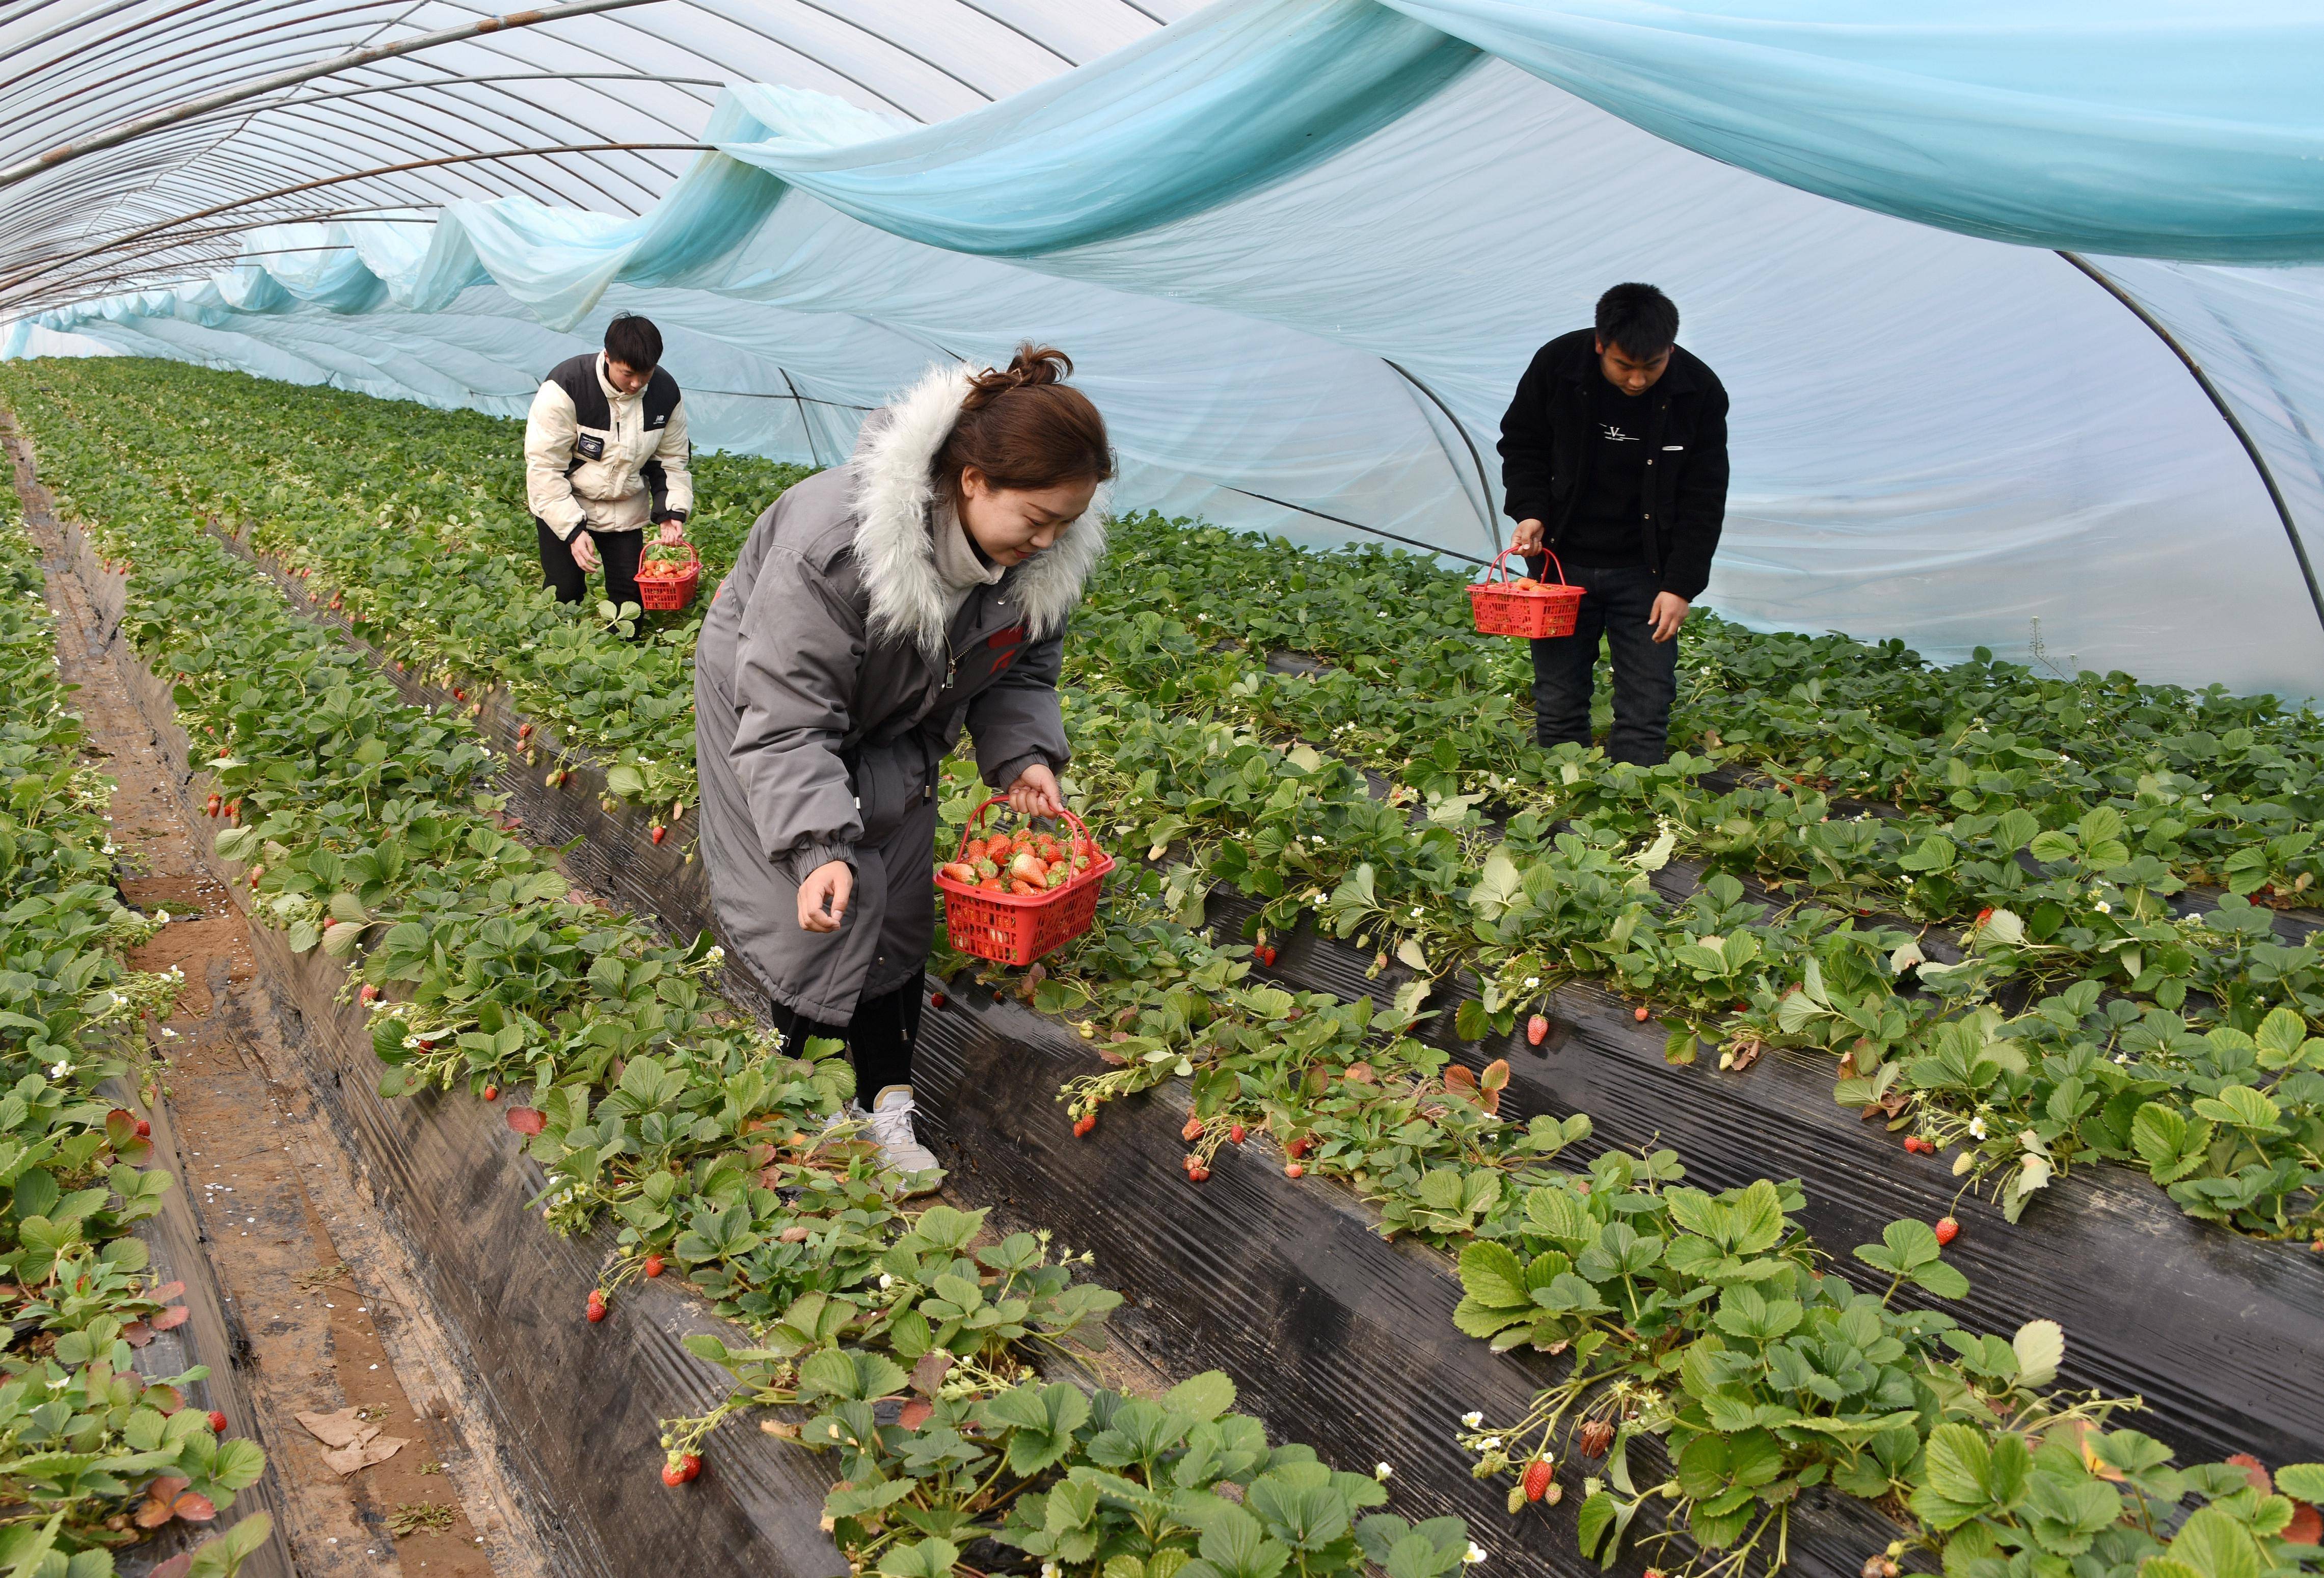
(1969, 887)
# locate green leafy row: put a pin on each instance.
(1189, 743)
(363, 828)
(93, 1455)
(2048, 824)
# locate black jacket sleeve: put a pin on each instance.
(1700, 508)
(1526, 445)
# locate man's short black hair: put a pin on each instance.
(636, 343)
(1639, 319)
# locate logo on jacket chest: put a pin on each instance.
(1005, 644)
(589, 446)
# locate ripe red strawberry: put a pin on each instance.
(1083, 1124)
(369, 994)
(1292, 1169)
(1301, 1146)
(1198, 1173)
(234, 809)
(217, 1423)
(1982, 916)
(654, 1264)
(596, 1307)
(658, 830)
(524, 731)
(1639, 1013)
(673, 1472)
(1947, 1229)
(1192, 1132)
(692, 1465)
(1537, 1030)
(1236, 1133)
(1536, 1478)
(145, 1129)
(936, 1000)
(1265, 954)
(458, 694)
(491, 1092)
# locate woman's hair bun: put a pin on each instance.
(1032, 365)
(1025, 427)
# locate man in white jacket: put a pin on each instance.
(604, 454)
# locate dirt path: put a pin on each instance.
(318, 1291)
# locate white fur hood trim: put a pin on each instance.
(893, 490)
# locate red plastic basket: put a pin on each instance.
(1502, 609)
(1017, 929)
(666, 586)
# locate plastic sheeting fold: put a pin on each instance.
(1936, 436)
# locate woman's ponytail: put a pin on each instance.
(1024, 427)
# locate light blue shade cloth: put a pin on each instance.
(1239, 95)
(2187, 129)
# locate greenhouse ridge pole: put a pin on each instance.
(2227, 414)
(130, 130)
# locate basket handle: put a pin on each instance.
(1499, 566)
(693, 554)
(976, 819)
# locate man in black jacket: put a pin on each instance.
(1614, 455)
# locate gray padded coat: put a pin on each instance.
(828, 687)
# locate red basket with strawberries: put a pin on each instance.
(1524, 606)
(1012, 897)
(668, 584)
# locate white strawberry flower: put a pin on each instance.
(58, 1069)
(1473, 1555)
(1977, 1127)
(1382, 1471)
(1472, 1418)
(1491, 1444)
(1532, 981)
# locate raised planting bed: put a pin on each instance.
(1332, 1332)
(2220, 1333)
(577, 1404)
(1153, 946)
(2216, 1332)
(1242, 1277)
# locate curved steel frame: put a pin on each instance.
(2227, 414)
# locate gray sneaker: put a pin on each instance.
(891, 1127)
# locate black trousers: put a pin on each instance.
(618, 551)
(1615, 604)
(879, 1038)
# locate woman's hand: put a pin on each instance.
(823, 896)
(584, 549)
(672, 531)
(1035, 792)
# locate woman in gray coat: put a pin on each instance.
(877, 609)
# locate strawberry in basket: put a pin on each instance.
(1014, 896)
